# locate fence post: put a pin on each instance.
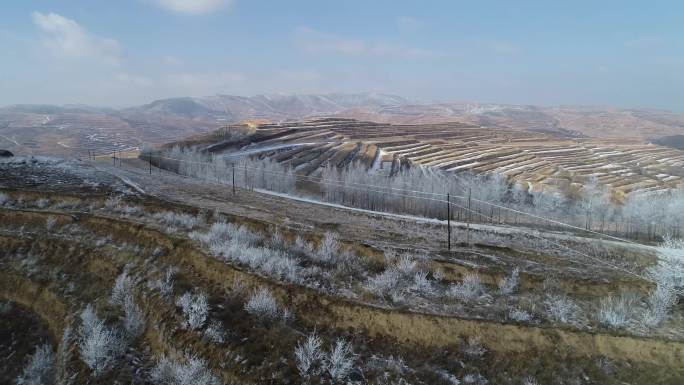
(448, 222)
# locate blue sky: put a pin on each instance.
(126, 52)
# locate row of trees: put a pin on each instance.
(422, 191)
(245, 172)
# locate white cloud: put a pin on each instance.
(316, 42)
(194, 7)
(65, 38)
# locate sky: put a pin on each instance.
(121, 53)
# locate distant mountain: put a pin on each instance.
(236, 108)
(569, 121)
(75, 129)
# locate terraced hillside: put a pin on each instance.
(128, 278)
(537, 161)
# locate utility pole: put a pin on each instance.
(233, 178)
(448, 222)
(149, 157)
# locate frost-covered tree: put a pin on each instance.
(39, 369)
(195, 309)
(100, 346)
(190, 370)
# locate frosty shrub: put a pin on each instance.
(617, 312)
(192, 371)
(42, 203)
(438, 274)
(475, 379)
(469, 289)
(329, 248)
(340, 361)
(660, 302)
(303, 246)
(474, 347)
(406, 264)
(519, 315)
(50, 223)
(39, 369)
(238, 244)
(4, 199)
(123, 287)
(384, 283)
(195, 308)
(508, 285)
(562, 309)
(100, 346)
(165, 284)
(263, 305)
(309, 356)
(670, 267)
(422, 285)
(530, 381)
(177, 220)
(215, 332)
(134, 319)
(112, 203)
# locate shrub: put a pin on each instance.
(421, 284)
(470, 289)
(660, 302)
(384, 283)
(563, 309)
(193, 371)
(165, 285)
(508, 285)
(670, 267)
(112, 203)
(42, 203)
(50, 223)
(329, 248)
(617, 312)
(180, 220)
(195, 309)
(262, 304)
(406, 264)
(303, 247)
(100, 346)
(438, 274)
(123, 287)
(340, 361)
(474, 347)
(519, 315)
(4, 199)
(134, 318)
(215, 332)
(39, 369)
(309, 356)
